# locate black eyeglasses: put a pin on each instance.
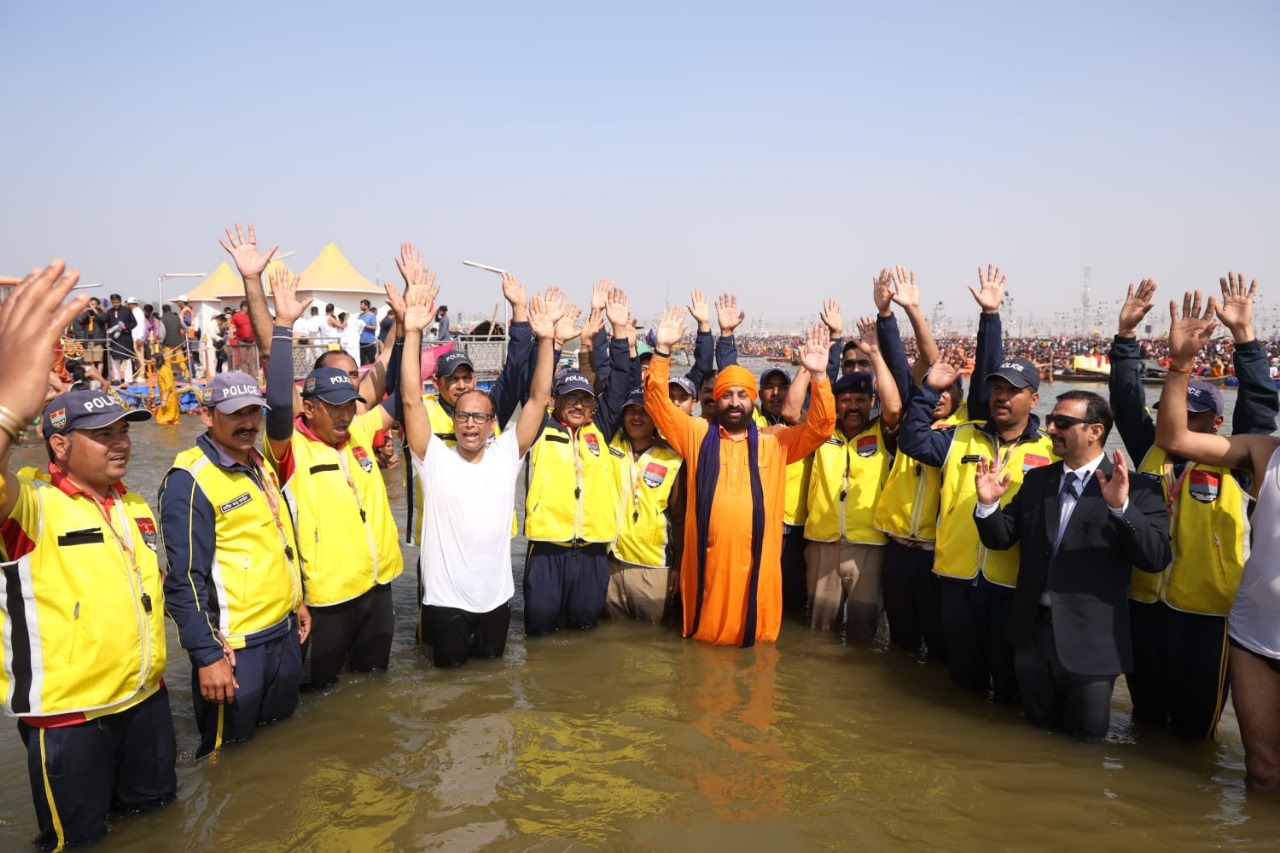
(1064, 422)
(480, 418)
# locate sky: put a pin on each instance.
(781, 151)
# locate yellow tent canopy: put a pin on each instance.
(224, 281)
(332, 272)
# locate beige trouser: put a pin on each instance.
(636, 592)
(840, 573)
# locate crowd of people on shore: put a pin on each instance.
(866, 486)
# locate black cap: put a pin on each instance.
(451, 361)
(1019, 372)
(330, 384)
(858, 382)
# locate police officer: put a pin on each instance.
(234, 588)
(845, 552)
(84, 656)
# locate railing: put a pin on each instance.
(486, 354)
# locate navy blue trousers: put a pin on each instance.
(120, 763)
(268, 676)
(564, 587)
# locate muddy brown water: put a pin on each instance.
(630, 738)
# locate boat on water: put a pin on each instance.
(1085, 378)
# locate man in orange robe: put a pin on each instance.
(731, 575)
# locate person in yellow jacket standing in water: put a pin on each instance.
(977, 584)
(81, 604)
(844, 552)
(234, 588)
(325, 462)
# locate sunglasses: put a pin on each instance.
(480, 418)
(1063, 422)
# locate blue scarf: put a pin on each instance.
(708, 475)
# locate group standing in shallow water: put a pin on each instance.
(1034, 565)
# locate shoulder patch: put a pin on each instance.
(147, 528)
(1033, 460)
(593, 443)
(654, 474)
(868, 445)
(1204, 485)
(362, 457)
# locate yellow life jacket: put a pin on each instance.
(796, 508)
(442, 429)
(573, 493)
(908, 506)
(346, 535)
(88, 634)
(844, 486)
(646, 485)
(958, 552)
(1209, 529)
(256, 575)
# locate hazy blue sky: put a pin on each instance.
(784, 150)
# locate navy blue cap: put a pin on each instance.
(85, 410)
(769, 371)
(572, 380)
(1019, 372)
(451, 361)
(858, 382)
(686, 383)
(635, 397)
(1203, 397)
(331, 385)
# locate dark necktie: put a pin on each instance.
(1071, 485)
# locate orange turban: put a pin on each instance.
(734, 375)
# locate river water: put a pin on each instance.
(630, 738)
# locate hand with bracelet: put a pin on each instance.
(31, 321)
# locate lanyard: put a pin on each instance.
(346, 472)
(271, 491)
(125, 541)
(638, 465)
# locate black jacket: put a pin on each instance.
(1088, 577)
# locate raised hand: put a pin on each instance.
(905, 292)
(832, 317)
(727, 313)
(1190, 331)
(618, 309)
(546, 311)
(284, 292)
(593, 324)
(567, 326)
(513, 291)
(422, 287)
(244, 251)
(942, 375)
(1136, 305)
(419, 302)
(868, 338)
(395, 300)
(991, 482)
(1236, 308)
(31, 321)
(700, 310)
(882, 291)
(813, 356)
(409, 263)
(1115, 491)
(600, 294)
(670, 329)
(990, 290)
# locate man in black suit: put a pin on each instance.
(1083, 527)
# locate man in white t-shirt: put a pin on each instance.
(469, 494)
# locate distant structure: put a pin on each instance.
(1085, 313)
